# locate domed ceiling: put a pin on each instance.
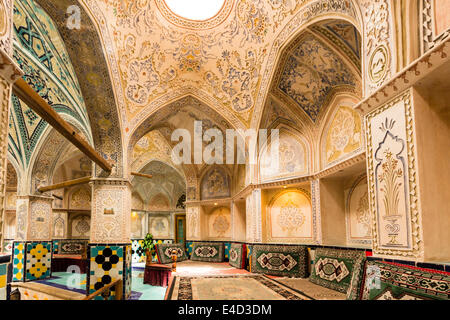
(158, 55)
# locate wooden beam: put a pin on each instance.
(33, 100)
(65, 184)
(149, 176)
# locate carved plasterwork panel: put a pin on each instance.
(111, 207)
(59, 225)
(344, 136)
(40, 219)
(393, 191)
(435, 23)
(80, 198)
(193, 222)
(219, 223)
(289, 217)
(80, 226)
(378, 33)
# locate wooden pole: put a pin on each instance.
(149, 176)
(65, 184)
(46, 112)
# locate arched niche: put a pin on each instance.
(289, 217)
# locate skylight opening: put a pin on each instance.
(199, 10)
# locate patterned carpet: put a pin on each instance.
(238, 287)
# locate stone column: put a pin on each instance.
(32, 251)
(109, 251)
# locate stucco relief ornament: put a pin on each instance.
(363, 212)
(221, 225)
(291, 218)
(378, 64)
(390, 175)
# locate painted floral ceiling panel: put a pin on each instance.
(311, 72)
(224, 58)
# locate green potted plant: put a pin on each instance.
(149, 248)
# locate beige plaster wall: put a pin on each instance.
(332, 208)
(433, 150)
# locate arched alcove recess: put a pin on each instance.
(88, 58)
(45, 160)
(310, 14)
(294, 156)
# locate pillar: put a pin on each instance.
(32, 249)
(109, 251)
(9, 73)
(253, 217)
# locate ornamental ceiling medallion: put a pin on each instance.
(192, 24)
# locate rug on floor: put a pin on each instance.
(164, 252)
(285, 261)
(390, 281)
(208, 252)
(312, 290)
(237, 255)
(253, 287)
(334, 268)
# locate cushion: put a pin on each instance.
(164, 252)
(391, 281)
(236, 256)
(208, 252)
(334, 268)
(285, 261)
(72, 247)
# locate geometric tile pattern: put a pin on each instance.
(334, 268)
(227, 250)
(56, 246)
(3, 275)
(391, 281)
(38, 260)
(18, 261)
(106, 266)
(137, 252)
(127, 271)
(288, 261)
